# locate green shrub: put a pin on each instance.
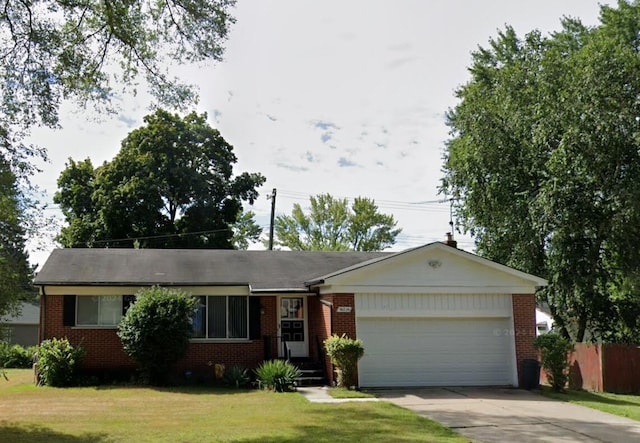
(554, 356)
(16, 356)
(155, 331)
(237, 376)
(344, 353)
(59, 362)
(278, 375)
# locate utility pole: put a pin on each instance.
(273, 216)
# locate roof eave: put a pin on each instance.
(138, 283)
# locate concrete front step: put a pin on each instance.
(311, 377)
(311, 381)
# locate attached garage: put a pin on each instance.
(435, 339)
(438, 316)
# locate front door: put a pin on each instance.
(292, 327)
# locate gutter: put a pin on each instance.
(43, 304)
(319, 281)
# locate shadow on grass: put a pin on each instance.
(351, 423)
(35, 434)
(203, 389)
(588, 396)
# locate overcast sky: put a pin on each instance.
(340, 97)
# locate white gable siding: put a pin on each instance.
(435, 269)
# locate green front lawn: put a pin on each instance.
(617, 404)
(196, 414)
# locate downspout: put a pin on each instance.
(43, 296)
(330, 305)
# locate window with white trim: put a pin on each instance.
(221, 317)
(98, 310)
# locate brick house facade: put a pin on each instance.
(356, 294)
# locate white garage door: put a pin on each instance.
(435, 352)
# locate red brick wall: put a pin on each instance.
(315, 324)
(104, 349)
(524, 325)
(321, 322)
(344, 322)
(269, 322)
(332, 322)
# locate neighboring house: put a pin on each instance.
(23, 329)
(544, 321)
(429, 316)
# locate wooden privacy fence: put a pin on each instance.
(604, 368)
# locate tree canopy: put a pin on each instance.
(85, 50)
(15, 272)
(333, 225)
(544, 159)
(171, 185)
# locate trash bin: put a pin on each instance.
(530, 374)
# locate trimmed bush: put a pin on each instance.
(237, 376)
(59, 362)
(16, 356)
(554, 356)
(345, 353)
(155, 331)
(278, 375)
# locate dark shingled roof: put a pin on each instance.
(261, 270)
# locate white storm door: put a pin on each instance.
(293, 331)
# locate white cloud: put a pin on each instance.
(346, 98)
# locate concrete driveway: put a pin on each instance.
(512, 415)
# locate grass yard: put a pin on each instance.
(617, 404)
(196, 414)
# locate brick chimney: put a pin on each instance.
(450, 241)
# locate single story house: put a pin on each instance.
(429, 316)
(22, 329)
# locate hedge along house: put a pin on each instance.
(428, 316)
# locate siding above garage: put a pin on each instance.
(433, 305)
(435, 268)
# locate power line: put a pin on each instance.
(420, 206)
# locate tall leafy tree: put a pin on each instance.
(171, 185)
(77, 185)
(544, 159)
(333, 225)
(15, 272)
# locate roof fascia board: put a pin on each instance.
(133, 289)
(360, 289)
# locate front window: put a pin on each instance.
(221, 317)
(99, 310)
